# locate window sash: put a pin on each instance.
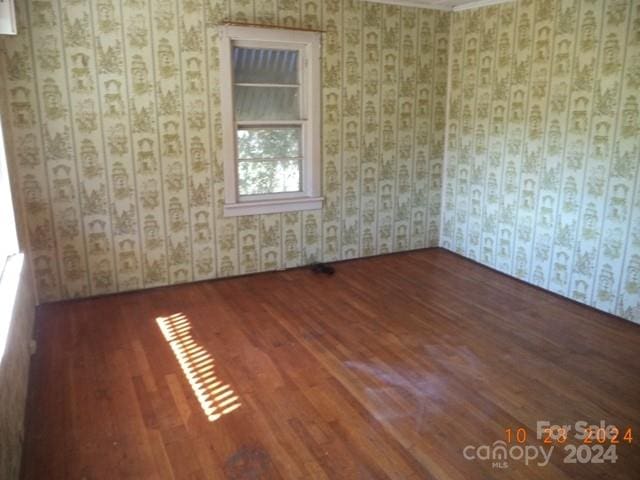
(269, 123)
(270, 159)
(299, 125)
(302, 159)
(266, 124)
(297, 191)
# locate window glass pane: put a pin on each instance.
(269, 142)
(268, 176)
(266, 103)
(262, 65)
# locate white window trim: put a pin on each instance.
(8, 18)
(308, 43)
(11, 260)
(9, 242)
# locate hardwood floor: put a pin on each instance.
(387, 369)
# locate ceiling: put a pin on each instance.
(454, 5)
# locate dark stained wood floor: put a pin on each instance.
(387, 369)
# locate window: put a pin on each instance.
(270, 80)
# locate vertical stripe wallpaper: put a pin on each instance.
(543, 151)
(114, 110)
(114, 107)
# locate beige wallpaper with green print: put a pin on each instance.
(542, 178)
(115, 115)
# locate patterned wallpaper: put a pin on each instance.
(115, 128)
(14, 377)
(543, 146)
(115, 118)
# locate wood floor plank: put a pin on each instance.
(387, 369)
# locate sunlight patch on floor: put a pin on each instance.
(215, 397)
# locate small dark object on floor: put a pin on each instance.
(323, 268)
(248, 462)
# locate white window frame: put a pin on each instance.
(308, 46)
(8, 18)
(11, 260)
(9, 242)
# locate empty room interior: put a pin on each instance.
(319, 239)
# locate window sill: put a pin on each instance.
(272, 206)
